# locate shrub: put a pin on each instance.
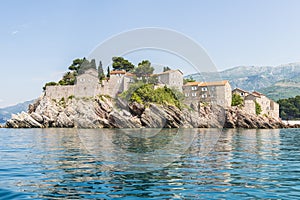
(236, 100)
(257, 108)
(145, 94)
(49, 84)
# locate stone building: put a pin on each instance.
(241, 92)
(268, 106)
(171, 78)
(88, 85)
(218, 92)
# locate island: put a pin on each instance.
(130, 96)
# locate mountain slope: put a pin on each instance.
(276, 82)
(5, 113)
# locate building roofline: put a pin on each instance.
(169, 71)
(240, 90)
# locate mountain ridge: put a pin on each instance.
(276, 82)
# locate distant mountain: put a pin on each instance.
(5, 113)
(276, 82)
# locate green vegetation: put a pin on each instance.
(257, 108)
(68, 79)
(119, 63)
(186, 80)
(282, 90)
(144, 72)
(144, 69)
(289, 108)
(78, 66)
(237, 100)
(108, 72)
(166, 69)
(71, 97)
(146, 93)
(62, 102)
(49, 84)
(101, 74)
(85, 65)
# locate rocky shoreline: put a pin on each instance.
(104, 112)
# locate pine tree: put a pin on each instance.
(108, 72)
(101, 75)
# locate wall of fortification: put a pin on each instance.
(58, 92)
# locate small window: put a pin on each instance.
(204, 96)
(194, 88)
(194, 94)
(204, 89)
(187, 94)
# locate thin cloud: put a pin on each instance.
(14, 32)
(1, 100)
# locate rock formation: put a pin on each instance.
(104, 112)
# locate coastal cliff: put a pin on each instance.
(105, 112)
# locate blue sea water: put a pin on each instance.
(149, 163)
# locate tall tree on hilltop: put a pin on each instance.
(119, 63)
(75, 66)
(100, 71)
(93, 64)
(166, 69)
(144, 70)
(108, 72)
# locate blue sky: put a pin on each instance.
(39, 39)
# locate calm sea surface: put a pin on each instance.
(143, 164)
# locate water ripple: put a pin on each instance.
(53, 164)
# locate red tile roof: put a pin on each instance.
(117, 72)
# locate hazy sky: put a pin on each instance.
(39, 39)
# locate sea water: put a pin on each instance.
(149, 163)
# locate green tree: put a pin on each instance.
(257, 108)
(93, 64)
(119, 63)
(68, 79)
(289, 108)
(76, 64)
(49, 84)
(101, 74)
(144, 70)
(166, 68)
(236, 100)
(190, 79)
(108, 72)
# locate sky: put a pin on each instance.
(39, 39)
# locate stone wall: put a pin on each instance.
(58, 92)
(249, 106)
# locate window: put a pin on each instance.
(82, 80)
(204, 89)
(194, 94)
(194, 88)
(187, 94)
(242, 93)
(204, 96)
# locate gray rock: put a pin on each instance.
(120, 121)
(63, 121)
(37, 117)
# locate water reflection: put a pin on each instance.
(56, 164)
